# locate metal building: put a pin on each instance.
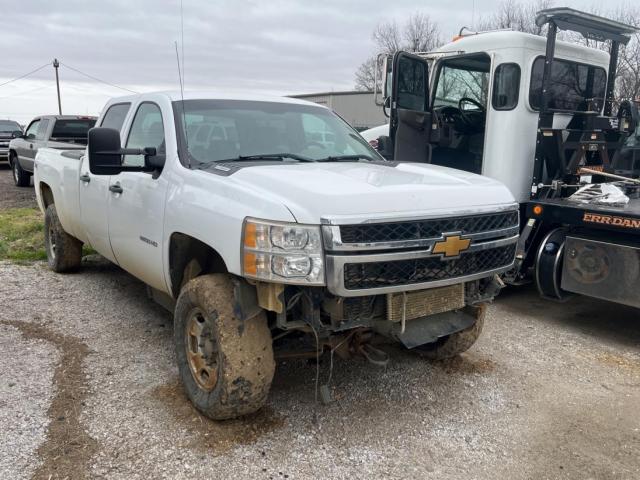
(357, 108)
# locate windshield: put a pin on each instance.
(9, 126)
(229, 129)
(456, 83)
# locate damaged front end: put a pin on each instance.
(414, 281)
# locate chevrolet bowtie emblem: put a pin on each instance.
(451, 246)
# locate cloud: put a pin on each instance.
(276, 46)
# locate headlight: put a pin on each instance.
(282, 252)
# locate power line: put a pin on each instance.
(26, 74)
(96, 79)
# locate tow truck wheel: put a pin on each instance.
(548, 267)
(456, 343)
(64, 252)
(20, 176)
(226, 364)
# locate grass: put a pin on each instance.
(22, 235)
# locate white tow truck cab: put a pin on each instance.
(532, 113)
(248, 227)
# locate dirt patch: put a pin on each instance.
(67, 448)
(467, 363)
(12, 196)
(210, 436)
(619, 361)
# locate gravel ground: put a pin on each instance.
(12, 196)
(549, 391)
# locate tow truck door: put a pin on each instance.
(410, 116)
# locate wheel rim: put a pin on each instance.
(202, 350)
(52, 243)
(15, 170)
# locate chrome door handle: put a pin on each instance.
(116, 188)
(85, 178)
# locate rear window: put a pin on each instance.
(72, 129)
(575, 87)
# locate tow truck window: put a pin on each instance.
(225, 129)
(574, 87)
(114, 118)
(147, 130)
(506, 86)
(456, 83)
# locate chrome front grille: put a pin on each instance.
(384, 257)
(358, 276)
(424, 229)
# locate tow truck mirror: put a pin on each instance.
(105, 154)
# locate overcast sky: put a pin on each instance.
(274, 46)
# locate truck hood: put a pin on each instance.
(342, 192)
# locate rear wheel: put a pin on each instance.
(21, 177)
(64, 252)
(226, 364)
(455, 343)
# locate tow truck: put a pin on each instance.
(535, 114)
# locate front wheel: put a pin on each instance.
(64, 252)
(226, 364)
(455, 343)
(21, 177)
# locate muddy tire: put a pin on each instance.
(456, 343)
(21, 177)
(64, 252)
(226, 364)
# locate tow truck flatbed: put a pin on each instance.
(616, 218)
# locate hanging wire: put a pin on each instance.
(25, 75)
(97, 79)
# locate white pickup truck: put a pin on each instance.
(250, 230)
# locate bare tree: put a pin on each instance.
(520, 16)
(515, 15)
(418, 34)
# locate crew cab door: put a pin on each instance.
(94, 190)
(25, 146)
(137, 199)
(410, 115)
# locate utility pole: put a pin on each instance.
(56, 64)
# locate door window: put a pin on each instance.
(147, 130)
(506, 86)
(114, 118)
(32, 129)
(42, 129)
(412, 77)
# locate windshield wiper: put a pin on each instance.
(346, 158)
(270, 156)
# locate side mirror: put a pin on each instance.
(104, 151)
(105, 154)
(17, 134)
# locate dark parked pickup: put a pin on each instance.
(8, 130)
(54, 131)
